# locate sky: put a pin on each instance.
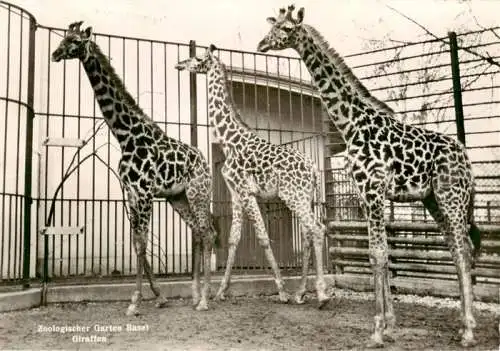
(347, 24)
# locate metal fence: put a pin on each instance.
(74, 184)
(48, 116)
(416, 80)
(450, 85)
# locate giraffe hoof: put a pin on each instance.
(388, 337)
(323, 302)
(202, 307)
(161, 304)
(132, 310)
(375, 342)
(299, 299)
(284, 298)
(220, 297)
(468, 340)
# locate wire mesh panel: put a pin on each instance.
(78, 155)
(274, 98)
(68, 114)
(415, 79)
(16, 44)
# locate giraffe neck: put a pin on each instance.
(119, 109)
(224, 118)
(347, 102)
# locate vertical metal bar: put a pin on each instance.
(165, 83)
(256, 92)
(280, 122)
(94, 102)
(79, 133)
(17, 246)
(70, 202)
(108, 194)
(116, 235)
(63, 134)
(30, 115)
(152, 117)
(159, 237)
(100, 236)
(268, 105)
(123, 200)
(290, 98)
(457, 88)
(193, 98)
(85, 237)
(9, 230)
(243, 83)
(5, 167)
(165, 118)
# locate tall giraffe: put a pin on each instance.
(152, 165)
(255, 167)
(388, 159)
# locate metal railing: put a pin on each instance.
(46, 115)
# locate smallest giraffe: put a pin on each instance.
(255, 167)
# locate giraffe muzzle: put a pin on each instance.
(56, 56)
(181, 66)
(263, 46)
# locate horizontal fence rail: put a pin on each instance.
(417, 249)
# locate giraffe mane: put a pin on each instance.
(345, 70)
(118, 82)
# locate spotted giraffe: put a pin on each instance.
(255, 167)
(152, 165)
(388, 160)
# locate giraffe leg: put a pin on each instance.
(379, 261)
(318, 241)
(200, 206)
(312, 232)
(306, 254)
(453, 223)
(133, 309)
(196, 289)
(140, 214)
(234, 239)
(207, 253)
(160, 300)
(251, 207)
(183, 207)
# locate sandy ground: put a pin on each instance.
(244, 323)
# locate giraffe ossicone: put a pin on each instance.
(388, 159)
(152, 165)
(255, 167)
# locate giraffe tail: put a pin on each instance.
(215, 228)
(474, 233)
(317, 189)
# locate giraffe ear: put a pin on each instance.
(87, 33)
(271, 20)
(300, 15)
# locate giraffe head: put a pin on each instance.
(76, 44)
(199, 64)
(283, 31)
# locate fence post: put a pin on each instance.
(193, 98)
(193, 122)
(457, 87)
(28, 158)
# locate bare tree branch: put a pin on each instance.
(488, 58)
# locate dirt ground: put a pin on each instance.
(245, 323)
